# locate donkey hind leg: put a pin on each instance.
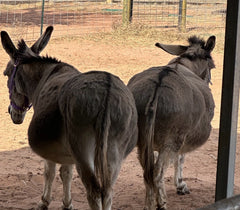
(91, 184)
(66, 177)
(83, 141)
(149, 198)
(98, 199)
(114, 165)
(181, 186)
(49, 174)
(162, 162)
(149, 190)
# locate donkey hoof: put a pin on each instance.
(67, 208)
(180, 192)
(42, 207)
(152, 207)
(161, 208)
(183, 189)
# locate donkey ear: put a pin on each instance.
(172, 49)
(8, 44)
(210, 43)
(41, 43)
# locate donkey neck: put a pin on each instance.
(34, 75)
(180, 65)
(195, 67)
(191, 68)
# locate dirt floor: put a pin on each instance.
(21, 174)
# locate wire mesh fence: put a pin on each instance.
(69, 17)
(24, 18)
(165, 13)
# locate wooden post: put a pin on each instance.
(109, 1)
(182, 15)
(229, 104)
(127, 11)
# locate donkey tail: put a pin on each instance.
(102, 129)
(148, 149)
(150, 113)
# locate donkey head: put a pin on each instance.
(19, 99)
(196, 56)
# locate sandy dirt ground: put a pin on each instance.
(21, 171)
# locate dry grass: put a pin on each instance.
(20, 6)
(142, 35)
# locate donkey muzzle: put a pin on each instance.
(16, 115)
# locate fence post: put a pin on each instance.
(229, 104)
(109, 1)
(182, 15)
(127, 11)
(41, 31)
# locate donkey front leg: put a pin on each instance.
(181, 186)
(49, 174)
(66, 177)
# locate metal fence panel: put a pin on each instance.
(164, 13)
(22, 18)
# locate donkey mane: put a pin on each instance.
(196, 40)
(41, 59)
(193, 53)
(25, 56)
(22, 46)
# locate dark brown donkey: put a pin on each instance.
(88, 119)
(175, 107)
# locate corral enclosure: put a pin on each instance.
(73, 17)
(90, 35)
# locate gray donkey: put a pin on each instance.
(175, 107)
(87, 119)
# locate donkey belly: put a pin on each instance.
(47, 139)
(54, 151)
(196, 138)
